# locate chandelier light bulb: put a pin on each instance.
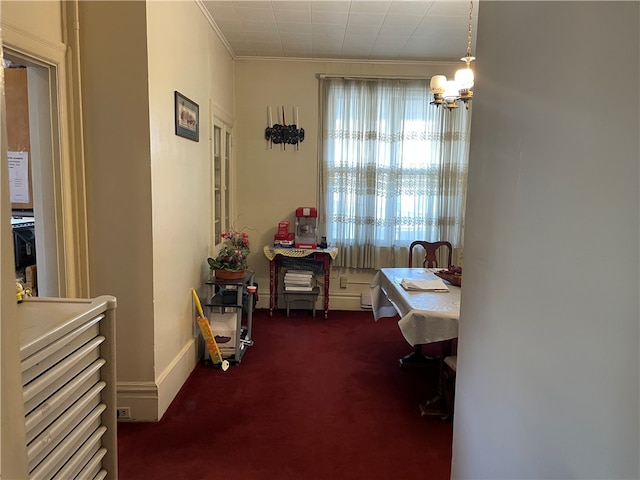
(438, 84)
(451, 91)
(464, 78)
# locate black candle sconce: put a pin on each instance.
(281, 133)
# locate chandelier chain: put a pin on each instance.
(469, 33)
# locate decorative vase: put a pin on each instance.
(228, 274)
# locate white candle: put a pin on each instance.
(297, 120)
(270, 119)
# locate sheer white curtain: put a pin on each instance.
(393, 170)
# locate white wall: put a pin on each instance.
(184, 55)
(150, 209)
(116, 132)
(43, 18)
(548, 371)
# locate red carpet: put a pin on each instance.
(313, 399)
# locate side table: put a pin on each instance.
(320, 256)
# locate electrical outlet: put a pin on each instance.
(344, 281)
(124, 413)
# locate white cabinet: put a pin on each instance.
(67, 358)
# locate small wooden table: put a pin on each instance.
(320, 256)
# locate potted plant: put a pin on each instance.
(231, 260)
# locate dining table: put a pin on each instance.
(427, 315)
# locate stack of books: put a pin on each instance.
(298, 281)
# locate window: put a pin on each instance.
(394, 169)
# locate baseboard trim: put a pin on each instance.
(141, 398)
(171, 380)
(148, 401)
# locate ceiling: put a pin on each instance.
(378, 30)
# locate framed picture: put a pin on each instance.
(187, 122)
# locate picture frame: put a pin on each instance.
(186, 117)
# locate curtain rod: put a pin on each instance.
(373, 77)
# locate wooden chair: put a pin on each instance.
(448, 379)
(430, 253)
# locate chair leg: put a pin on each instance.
(448, 391)
(434, 405)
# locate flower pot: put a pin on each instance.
(228, 274)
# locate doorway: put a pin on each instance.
(31, 153)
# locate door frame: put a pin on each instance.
(68, 180)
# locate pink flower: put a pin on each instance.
(234, 252)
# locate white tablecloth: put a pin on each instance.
(271, 252)
(425, 316)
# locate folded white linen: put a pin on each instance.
(424, 285)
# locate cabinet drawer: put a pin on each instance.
(37, 391)
(31, 356)
(102, 474)
(57, 403)
(66, 365)
(82, 459)
(39, 332)
(50, 422)
(93, 466)
(89, 428)
(53, 434)
(47, 358)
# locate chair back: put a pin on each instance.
(430, 248)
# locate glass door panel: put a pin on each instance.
(227, 181)
(217, 183)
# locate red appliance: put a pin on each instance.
(306, 228)
(284, 238)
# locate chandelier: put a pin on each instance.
(450, 92)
